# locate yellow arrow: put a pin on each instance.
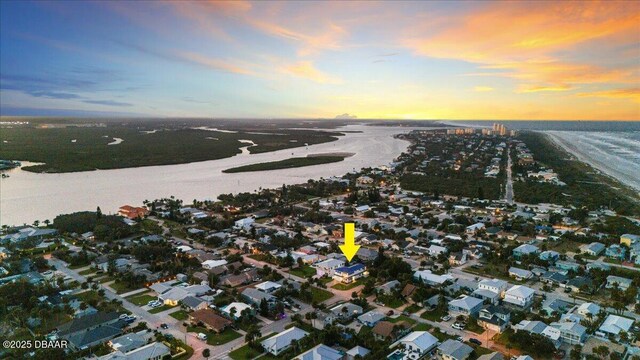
(349, 249)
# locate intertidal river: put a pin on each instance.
(26, 197)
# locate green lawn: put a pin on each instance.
(160, 309)
(246, 352)
(141, 299)
(393, 302)
(400, 318)
(122, 288)
(433, 315)
(305, 271)
(326, 280)
(213, 338)
(179, 315)
(88, 271)
(347, 286)
(422, 327)
(413, 308)
(320, 295)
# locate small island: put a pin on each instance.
(290, 163)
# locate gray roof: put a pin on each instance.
(455, 349)
(192, 302)
(87, 322)
(320, 352)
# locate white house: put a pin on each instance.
(588, 308)
(282, 341)
(494, 285)
(614, 325)
(415, 345)
(519, 295)
(430, 278)
(327, 267)
(244, 223)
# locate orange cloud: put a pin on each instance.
(631, 93)
(214, 63)
(526, 37)
(306, 70)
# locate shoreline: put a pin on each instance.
(24, 193)
(596, 164)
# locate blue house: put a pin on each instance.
(616, 251)
(349, 274)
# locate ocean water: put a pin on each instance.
(616, 153)
(601, 126)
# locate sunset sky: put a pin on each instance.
(389, 60)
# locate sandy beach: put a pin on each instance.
(614, 154)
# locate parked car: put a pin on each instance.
(475, 341)
(457, 326)
(446, 318)
(202, 336)
(390, 312)
(164, 326)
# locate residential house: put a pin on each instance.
(429, 278)
(494, 285)
(357, 351)
(385, 330)
(323, 319)
(593, 249)
(571, 332)
(616, 251)
(415, 345)
(520, 296)
(520, 274)
(588, 309)
(465, 305)
(524, 250)
(193, 303)
(132, 212)
(619, 282)
(210, 320)
(371, 318)
(629, 239)
(130, 341)
(321, 352)
(152, 351)
(235, 310)
(349, 274)
(388, 287)
(492, 356)
(494, 318)
(255, 297)
(346, 311)
(613, 325)
(90, 330)
(280, 342)
(454, 350)
(327, 267)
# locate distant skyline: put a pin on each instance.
(369, 60)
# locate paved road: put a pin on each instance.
(508, 194)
